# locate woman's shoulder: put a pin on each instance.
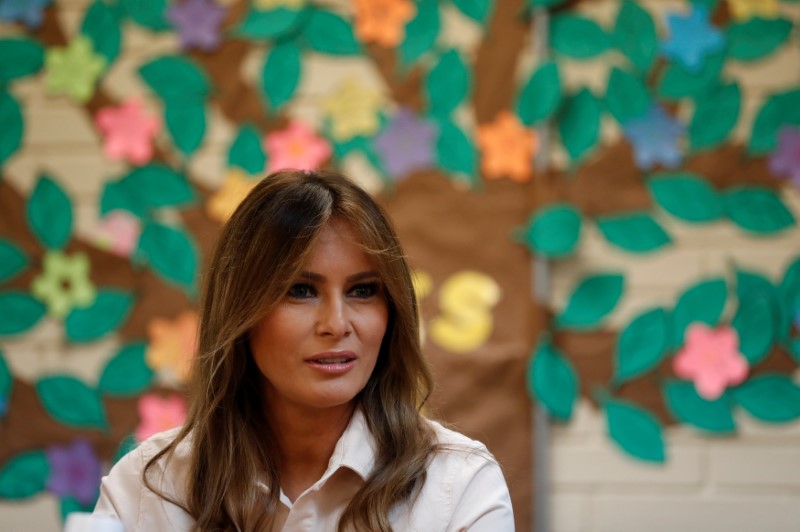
(447, 438)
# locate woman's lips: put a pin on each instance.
(333, 363)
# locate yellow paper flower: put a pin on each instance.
(237, 185)
(353, 110)
(747, 9)
(74, 70)
(173, 344)
(266, 5)
(64, 283)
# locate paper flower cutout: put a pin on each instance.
(353, 110)
(64, 283)
(383, 21)
(785, 161)
(158, 414)
(236, 187)
(507, 148)
(29, 12)
(692, 38)
(198, 23)
(655, 139)
(711, 358)
(118, 232)
(74, 471)
(296, 147)
(73, 70)
(129, 131)
(406, 144)
(747, 9)
(267, 5)
(173, 344)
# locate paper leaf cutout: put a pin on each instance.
(147, 13)
(24, 475)
(678, 82)
(72, 402)
(637, 233)
(642, 345)
(626, 97)
(591, 301)
(686, 196)
(126, 374)
(145, 188)
(455, 152)
(447, 84)
(108, 312)
(635, 35)
(101, 26)
(175, 79)
(125, 446)
(329, 33)
(553, 381)
(757, 38)
(19, 58)
(701, 302)
(753, 285)
(186, 123)
(172, 253)
(635, 430)
(540, 97)
(758, 210)
(281, 74)
(688, 407)
(773, 398)
(789, 297)
(6, 380)
(545, 3)
(13, 126)
(12, 260)
(49, 214)
(477, 10)
(715, 116)
(755, 323)
(421, 32)
(272, 24)
(246, 152)
(579, 123)
(778, 110)
(577, 37)
(20, 312)
(554, 230)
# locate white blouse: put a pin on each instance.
(464, 490)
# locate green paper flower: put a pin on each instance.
(74, 70)
(64, 283)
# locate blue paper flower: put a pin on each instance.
(655, 139)
(29, 12)
(692, 39)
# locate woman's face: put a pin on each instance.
(317, 348)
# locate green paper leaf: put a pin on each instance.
(148, 13)
(794, 350)
(635, 35)
(157, 185)
(186, 123)
(272, 24)
(126, 374)
(677, 82)
(127, 444)
(545, 3)
(594, 298)
(477, 10)
(455, 151)
(577, 37)
(447, 84)
(757, 38)
(758, 210)
(24, 475)
(6, 379)
(102, 27)
(777, 111)
(750, 284)
(72, 402)
(755, 323)
(635, 430)
(688, 407)
(701, 302)
(773, 398)
(49, 214)
(117, 195)
(109, 310)
(421, 32)
(176, 79)
(13, 126)
(553, 381)
(554, 230)
(12, 260)
(539, 98)
(281, 74)
(626, 97)
(788, 298)
(636, 232)
(642, 345)
(19, 58)
(19, 312)
(715, 116)
(172, 253)
(246, 151)
(686, 196)
(70, 505)
(329, 33)
(579, 123)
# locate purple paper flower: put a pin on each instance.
(74, 471)
(785, 161)
(29, 12)
(655, 139)
(406, 144)
(692, 38)
(198, 23)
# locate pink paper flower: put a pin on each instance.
(129, 131)
(118, 232)
(296, 147)
(711, 358)
(157, 414)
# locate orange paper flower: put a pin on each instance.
(507, 148)
(383, 21)
(173, 344)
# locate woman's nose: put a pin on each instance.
(332, 318)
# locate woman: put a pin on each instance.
(307, 387)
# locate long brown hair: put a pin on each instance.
(260, 251)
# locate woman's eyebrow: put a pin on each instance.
(319, 278)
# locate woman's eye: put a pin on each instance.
(364, 291)
(301, 291)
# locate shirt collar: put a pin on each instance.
(355, 448)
